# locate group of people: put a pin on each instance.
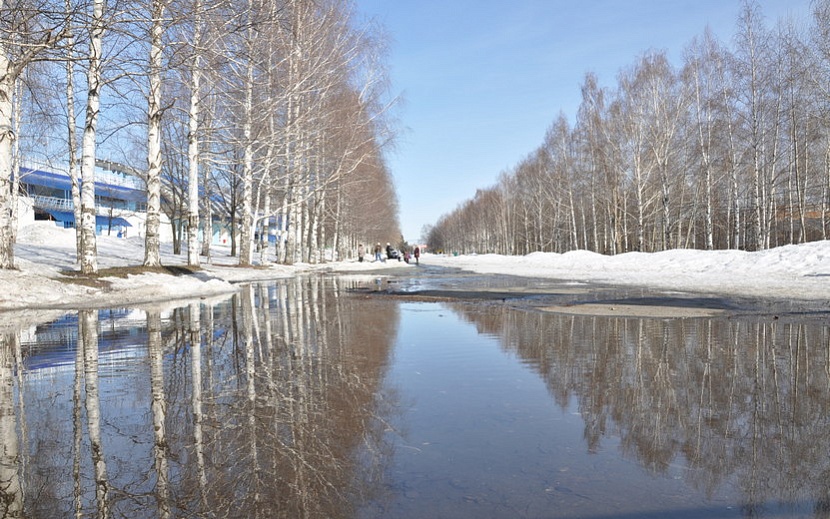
(391, 253)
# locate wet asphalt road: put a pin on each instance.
(431, 283)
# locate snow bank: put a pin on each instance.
(792, 271)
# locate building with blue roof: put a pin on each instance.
(120, 198)
(120, 202)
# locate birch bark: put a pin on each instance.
(89, 248)
(193, 142)
(152, 255)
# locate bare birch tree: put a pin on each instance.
(28, 30)
(72, 134)
(820, 39)
(701, 76)
(193, 158)
(724, 158)
(89, 249)
(152, 254)
(799, 102)
(751, 50)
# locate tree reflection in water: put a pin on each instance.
(262, 405)
(11, 491)
(737, 400)
(273, 404)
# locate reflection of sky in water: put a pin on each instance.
(481, 436)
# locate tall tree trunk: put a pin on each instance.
(321, 246)
(709, 227)
(152, 253)
(282, 224)
(18, 116)
(264, 228)
(207, 232)
(245, 251)
(667, 224)
(735, 230)
(801, 189)
(314, 230)
(193, 142)
(336, 238)
(72, 137)
(7, 137)
(89, 254)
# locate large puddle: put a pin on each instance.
(314, 398)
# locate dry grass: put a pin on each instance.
(98, 280)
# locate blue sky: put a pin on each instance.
(481, 80)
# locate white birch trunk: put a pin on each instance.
(245, 249)
(293, 216)
(8, 74)
(207, 234)
(314, 233)
(321, 246)
(7, 137)
(282, 224)
(152, 254)
(72, 140)
(335, 239)
(16, 107)
(264, 228)
(193, 142)
(89, 249)
(704, 137)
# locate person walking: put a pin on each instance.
(417, 254)
(360, 252)
(378, 251)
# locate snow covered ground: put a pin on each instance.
(799, 272)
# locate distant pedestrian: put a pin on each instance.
(378, 252)
(417, 254)
(360, 252)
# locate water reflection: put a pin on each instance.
(740, 402)
(287, 400)
(259, 406)
(11, 492)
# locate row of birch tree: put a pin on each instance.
(731, 150)
(270, 117)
